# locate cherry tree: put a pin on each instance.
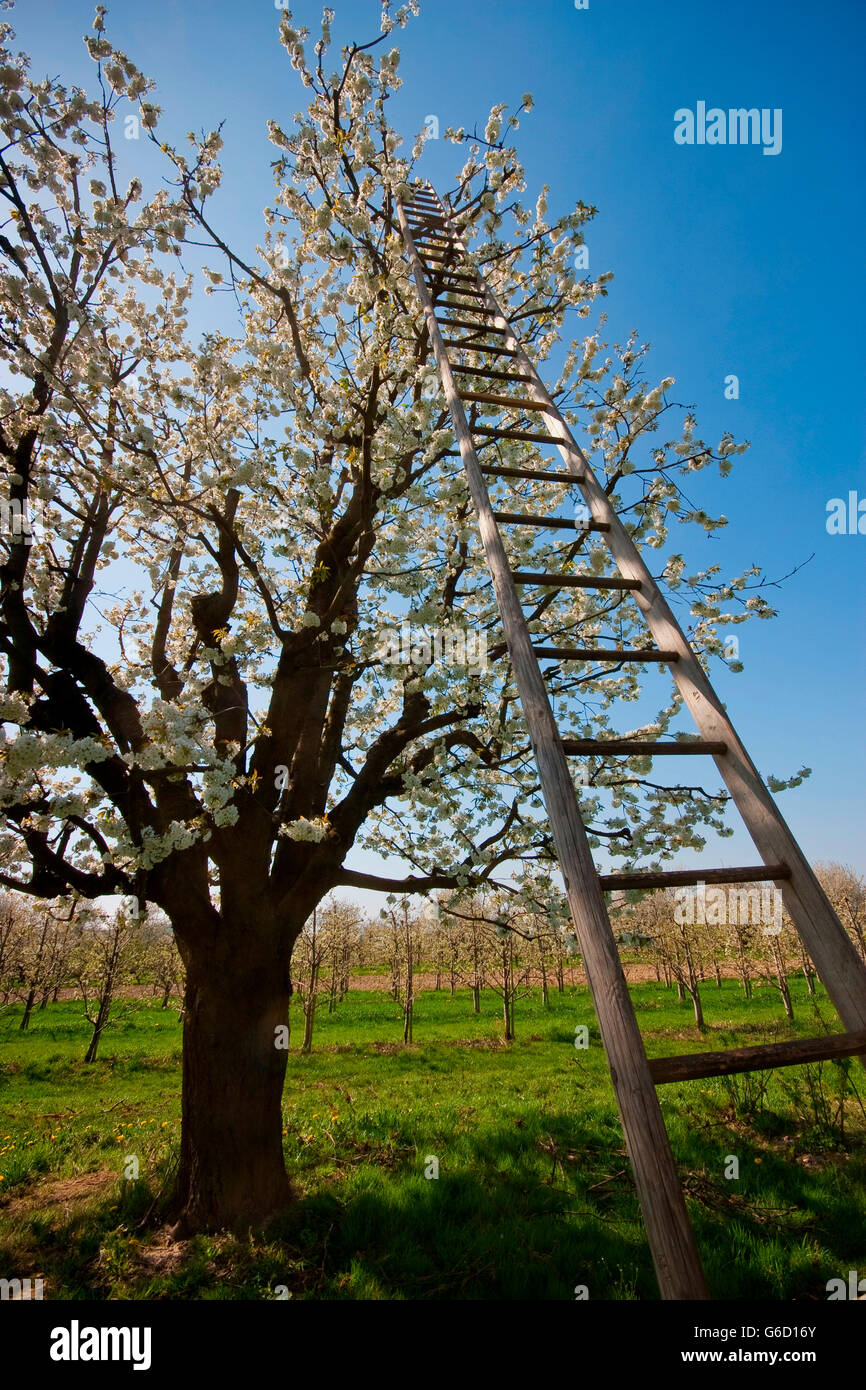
(199, 706)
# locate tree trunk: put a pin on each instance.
(410, 990)
(695, 992)
(99, 1024)
(476, 999)
(507, 1017)
(545, 998)
(28, 1009)
(310, 1012)
(808, 973)
(232, 1172)
(786, 995)
(782, 979)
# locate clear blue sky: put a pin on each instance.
(725, 259)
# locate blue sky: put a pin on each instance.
(725, 259)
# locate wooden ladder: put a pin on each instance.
(442, 267)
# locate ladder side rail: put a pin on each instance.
(670, 1235)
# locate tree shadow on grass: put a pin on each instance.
(527, 1210)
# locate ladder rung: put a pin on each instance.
(475, 294)
(574, 581)
(682, 878)
(467, 343)
(482, 327)
(606, 653)
(472, 309)
(515, 402)
(792, 1053)
(492, 372)
(601, 746)
(536, 473)
(528, 435)
(454, 275)
(549, 523)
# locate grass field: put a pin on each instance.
(534, 1196)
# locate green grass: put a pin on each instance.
(534, 1194)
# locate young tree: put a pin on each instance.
(404, 932)
(676, 941)
(739, 941)
(286, 492)
(846, 890)
(107, 950)
(342, 922)
(15, 924)
(773, 951)
(44, 960)
(161, 959)
(308, 959)
(506, 926)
